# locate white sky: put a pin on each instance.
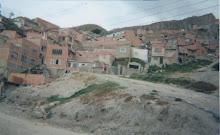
(109, 13)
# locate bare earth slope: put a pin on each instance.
(136, 107)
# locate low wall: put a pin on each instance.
(35, 79)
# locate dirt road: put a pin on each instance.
(15, 126)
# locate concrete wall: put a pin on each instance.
(122, 51)
(107, 59)
(140, 54)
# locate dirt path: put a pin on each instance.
(16, 126)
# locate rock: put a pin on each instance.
(37, 114)
(40, 103)
(53, 104)
(50, 105)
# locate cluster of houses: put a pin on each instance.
(56, 51)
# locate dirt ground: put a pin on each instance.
(10, 125)
(137, 107)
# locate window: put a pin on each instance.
(63, 38)
(33, 61)
(43, 48)
(58, 62)
(40, 56)
(34, 51)
(24, 58)
(122, 49)
(14, 55)
(64, 31)
(157, 50)
(75, 65)
(25, 47)
(52, 61)
(57, 51)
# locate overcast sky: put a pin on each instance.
(109, 13)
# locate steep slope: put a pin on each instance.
(186, 23)
(120, 106)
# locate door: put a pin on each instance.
(121, 70)
(161, 60)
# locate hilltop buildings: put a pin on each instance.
(61, 50)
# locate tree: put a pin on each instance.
(96, 31)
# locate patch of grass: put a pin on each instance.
(199, 86)
(148, 77)
(48, 109)
(205, 87)
(162, 103)
(189, 67)
(49, 115)
(178, 99)
(148, 97)
(154, 91)
(108, 86)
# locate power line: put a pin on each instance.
(180, 14)
(148, 9)
(52, 14)
(156, 13)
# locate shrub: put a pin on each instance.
(101, 87)
(216, 67)
(203, 87)
(195, 64)
(178, 99)
(154, 91)
(138, 61)
(96, 31)
(154, 68)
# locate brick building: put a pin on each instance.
(18, 55)
(56, 59)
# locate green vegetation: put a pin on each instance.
(9, 25)
(121, 61)
(199, 86)
(96, 31)
(124, 61)
(189, 67)
(103, 33)
(178, 99)
(138, 61)
(216, 67)
(108, 86)
(154, 90)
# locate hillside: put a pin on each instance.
(186, 23)
(107, 104)
(88, 27)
